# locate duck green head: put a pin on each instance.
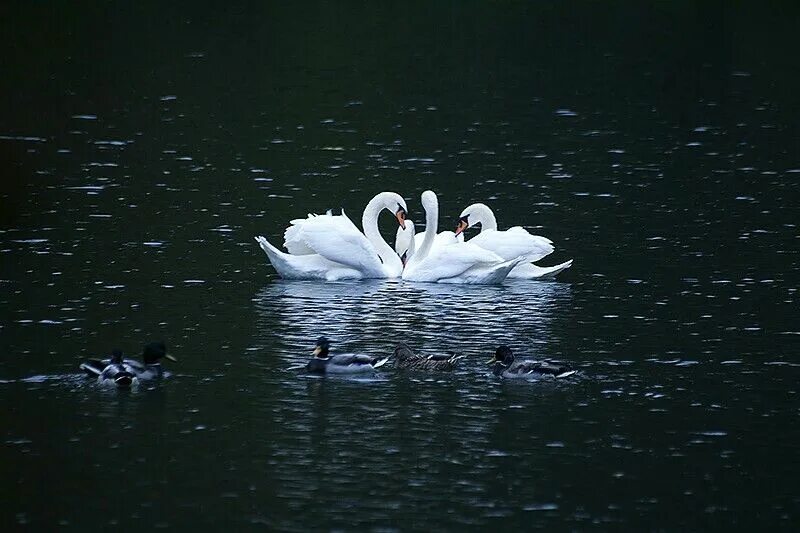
(322, 347)
(154, 352)
(502, 355)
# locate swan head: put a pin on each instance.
(462, 225)
(401, 213)
(474, 215)
(503, 355)
(396, 204)
(404, 242)
(429, 200)
(322, 347)
(391, 201)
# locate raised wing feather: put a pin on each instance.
(293, 237)
(337, 239)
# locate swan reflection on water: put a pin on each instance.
(372, 317)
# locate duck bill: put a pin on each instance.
(461, 227)
(171, 358)
(316, 351)
(401, 217)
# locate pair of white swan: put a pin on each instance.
(331, 248)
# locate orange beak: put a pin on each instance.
(462, 225)
(401, 217)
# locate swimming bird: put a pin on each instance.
(506, 367)
(111, 371)
(509, 243)
(330, 247)
(151, 356)
(406, 359)
(324, 363)
(147, 369)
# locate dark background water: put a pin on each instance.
(142, 147)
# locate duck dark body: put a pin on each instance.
(110, 371)
(405, 358)
(324, 363)
(504, 364)
(116, 367)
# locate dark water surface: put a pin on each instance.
(142, 149)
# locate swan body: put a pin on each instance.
(306, 266)
(510, 243)
(452, 263)
(330, 247)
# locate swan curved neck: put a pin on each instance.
(369, 221)
(431, 227)
(481, 213)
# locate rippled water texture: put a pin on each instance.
(142, 150)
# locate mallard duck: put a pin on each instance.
(147, 369)
(505, 366)
(324, 363)
(405, 358)
(110, 371)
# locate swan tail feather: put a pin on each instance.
(531, 271)
(502, 270)
(275, 256)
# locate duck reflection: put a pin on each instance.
(399, 430)
(372, 317)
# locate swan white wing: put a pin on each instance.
(337, 239)
(514, 242)
(485, 273)
(293, 238)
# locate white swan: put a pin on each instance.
(509, 243)
(453, 263)
(328, 247)
(404, 241)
